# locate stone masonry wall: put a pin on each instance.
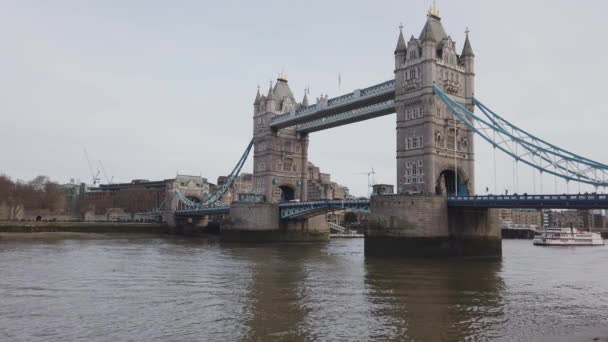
(474, 223)
(408, 216)
(254, 217)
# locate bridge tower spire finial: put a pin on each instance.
(434, 11)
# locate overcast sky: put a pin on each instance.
(152, 88)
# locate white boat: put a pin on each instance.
(567, 237)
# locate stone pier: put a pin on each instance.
(423, 226)
(260, 222)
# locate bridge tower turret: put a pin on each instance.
(280, 156)
(435, 152)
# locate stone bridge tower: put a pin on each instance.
(280, 156)
(435, 152)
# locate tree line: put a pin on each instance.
(39, 193)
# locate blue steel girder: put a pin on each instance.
(585, 201)
(526, 148)
(351, 116)
(214, 199)
(313, 208)
(376, 94)
(202, 212)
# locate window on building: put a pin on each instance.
(450, 139)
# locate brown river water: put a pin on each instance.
(151, 288)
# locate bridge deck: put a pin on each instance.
(304, 209)
(359, 105)
(587, 201)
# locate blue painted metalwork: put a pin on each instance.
(325, 108)
(585, 201)
(526, 148)
(202, 212)
(307, 209)
(215, 197)
(343, 118)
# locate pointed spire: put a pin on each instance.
(282, 76)
(305, 99)
(428, 33)
(270, 92)
(467, 50)
(258, 97)
(400, 41)
(434, 11)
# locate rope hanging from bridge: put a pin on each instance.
(525, 147)
(213, 200)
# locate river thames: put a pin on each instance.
(152, 288)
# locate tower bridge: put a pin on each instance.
(434, 211)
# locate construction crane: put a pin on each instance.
(370, 181)
(94, 176)
(105, 174)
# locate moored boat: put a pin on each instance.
(567, 237)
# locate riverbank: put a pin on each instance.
(10, 228)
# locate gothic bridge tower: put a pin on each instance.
(280, 156)
(435, 152)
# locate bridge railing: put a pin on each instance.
(345, 115)
(357, 95)
(583, 197)
(323, 202)
(299, 209)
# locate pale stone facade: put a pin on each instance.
(320, 186)
(431, 143)
(279, 157)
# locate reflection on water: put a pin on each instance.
(151, 288)
(434, 299)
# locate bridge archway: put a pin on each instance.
(446, 183)
(287, 193)
(194, 199)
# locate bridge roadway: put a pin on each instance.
(288, 210)
(359, 105)
(580, 201)
(294, 210)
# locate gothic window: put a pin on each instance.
(414, 172)
(450, 139)
(465, 143)
(412, 54)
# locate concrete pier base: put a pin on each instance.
(260, 222)
(423, 226)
